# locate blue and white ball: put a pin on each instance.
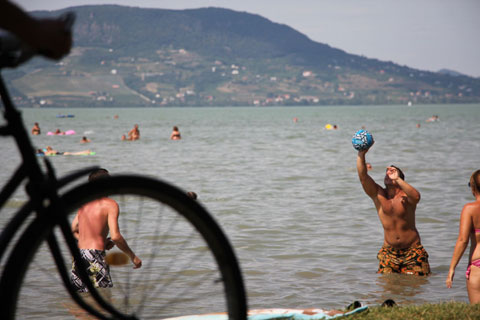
(362, 140)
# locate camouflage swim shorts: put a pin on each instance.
(413, 260)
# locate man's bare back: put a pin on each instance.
(93, 223)
(96, 219)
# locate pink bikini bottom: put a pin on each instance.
(476, 263)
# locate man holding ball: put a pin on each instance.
(402, 251)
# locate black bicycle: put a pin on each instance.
(189, 266)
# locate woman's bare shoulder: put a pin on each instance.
(472, 207)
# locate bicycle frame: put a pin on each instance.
(40, 186)
(43, 219)
(42, 190)
(50, 203)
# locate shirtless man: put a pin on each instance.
(134, 134)
(91, 226)
(402, 251)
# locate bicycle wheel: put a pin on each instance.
(188, 266)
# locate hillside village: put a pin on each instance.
(236, 68)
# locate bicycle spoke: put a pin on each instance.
(171, 264)
(158, 244)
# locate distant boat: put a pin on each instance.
(65, 116)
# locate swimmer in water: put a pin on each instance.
(36, 129)
(402, 251)
(134, 134)
(175, 134)
(192, 195)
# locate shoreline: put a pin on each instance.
(428, 311)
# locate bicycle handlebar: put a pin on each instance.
(14, 52)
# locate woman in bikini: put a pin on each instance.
(469, 230)
(175, 134)
(36, 129)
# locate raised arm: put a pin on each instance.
(413, 196)
(461, 245)
(117, 237)
(369, 185)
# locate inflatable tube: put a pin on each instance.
(46, 155)
(54, 155)
(66, 133)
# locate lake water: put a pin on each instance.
(287, 193)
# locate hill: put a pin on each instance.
(126, 56)
(450, 72)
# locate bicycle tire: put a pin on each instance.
(184, 273)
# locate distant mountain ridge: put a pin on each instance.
(210, 31)
(450, 72)
(214, 56)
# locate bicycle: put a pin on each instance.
(172, 233)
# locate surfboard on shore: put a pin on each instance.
(276, 313)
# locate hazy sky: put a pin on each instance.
(424, 34)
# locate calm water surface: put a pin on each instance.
(287, 194)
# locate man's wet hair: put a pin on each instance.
(192, 195)
(400, 172)
(98, 174)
